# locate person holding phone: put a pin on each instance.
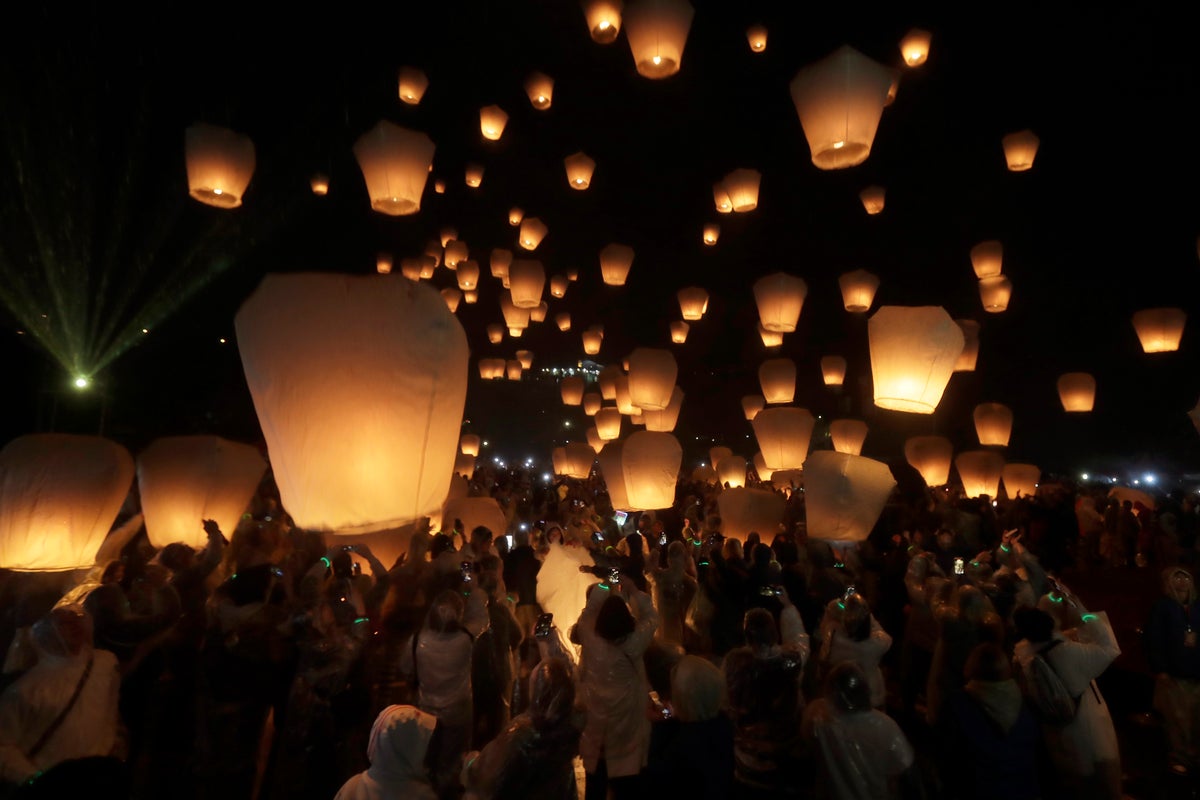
(850, 632)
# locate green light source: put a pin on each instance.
(81, 382)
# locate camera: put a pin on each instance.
(597, 537)
(850, 592)
(614, 576)
(771, 591)
(958, 566)
(662, 710)
(662, 540)
(465, 569)
(542, 629)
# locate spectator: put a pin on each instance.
(850, 632)
(1174, 655)
(398, 750)
(692, 751)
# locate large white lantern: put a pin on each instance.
(844, 495)
(980, 472)
(650, 462)
(395, 164)
(220, 163)
(913, 353)
(657, 31)
(780, 297)
(652, 374)
(744, 511)
(784, 434)
(930, 456)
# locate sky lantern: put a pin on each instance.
(439, 187)
(995, 293)
(1159, 329)
(848, 435)
(464, 465)
(930, 456)
(526, 280)
(858, 289)
(624, 401)
(615, 262)
(650, 462)
(411, 268)
(665, 419)
(592, 402)
(499, 262)
(760, 467)
(495, 332)
(184, 480)
(346, 373)
(872, 199)
(721, 198)
(538, 312)
(914, 47)
(1020, 149)
(526, 358)
(475, 512)
(592, 341)
(456, 253)
(427, 267)
(571, 387)
(756, 37)
(578, 459)
(59, 496)
(540, 89)
(579, 170)
(563, 320)
(515, 215)
(469, 443)
(993, 424)
(447, 234)
(980, 472)
(220, 163)
(769, 338)
(731, 471)
(515, 317)
(433, 249)
(833, 370)
(1077, 391)
(471, 296)
(319, 183)
(742, 186)
(492, 120)
(558, 286)
(453, 297)
(608, 423)
(913, 353)
(533, 230)
(839, 100)
(572, 274)
(844, 495)
(383, 263)
(395, 165)
(609, 458)
(780, 297)
(752, 404)
(593, 438)
(413, 84)
(717, 454)
(1021, 480)
(473, 175)
(679, 331)
(987, 258)
(657, 31)
(491, 368)
(777, 377)
(744, 511)
(970, 352)
(712, 232)
(603, 19)
(783, 435)
(652, 374)
(467, 274)
(607, 379)
(693, 302)
(513, 369)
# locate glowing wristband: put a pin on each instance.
(328, 563)
(605, 586)
(1006, 548)
(1088, 617)
(361, 619)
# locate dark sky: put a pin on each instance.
(1104, 224)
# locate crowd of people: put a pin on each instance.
(279, 663)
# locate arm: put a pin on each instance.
(210, 556)
(791, 628)
(647, 618)
(476, 619)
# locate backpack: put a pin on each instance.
(1044, 690)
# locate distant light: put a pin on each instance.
(1084, 476)
(485, 444)
(567, 424)
(547, 477)
(993, 504)
(217, 191)
(1136, 482)
(1149, 477)
(221, 340)
(838, 145)
(603, 25)
(81, 382)
(656, 60)
(524, 526)
(145, 330)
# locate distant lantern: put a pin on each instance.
(533, 230)
(833, 370)
(679, 331)
(760, 466)
(608, 423)
(712, 232)
(652, 374)
(395, 165)
(784, 434)
(538, 312)
(624, 401)
(731, 472)
(515, 317)
(1020, 148)
(464, 465)
(428, 265)
(572, 275)
(995, 293)
(1159, 329)
(756, 36)
(513, 369)
(579, 170)
(526, 281)
(1077, 391)
(500, 261)
(844, 495)
(220, 163)
(745, 510)
(665, 419)
(492, 120)
(848, 435)
(346, 373)
(59, 496)
(411, 268)
(615, 262)
(456, 253)
(453, 297)
(657, 31)
(769, 338)
(383, 263)
(914, 47)
(491, 368)
(591, 342)
(578, 459)
(495, 333)
(469, 443)
(872, 199)
(716, 454)
(993, 423)
(473, 175)
(592, 402)
(540, 89)
(526, 358)
(970, 352)
(603, 19)
(470, 296)
(858, 289)
(1021, 480)
(319, 184)
(439, 187)
(433, 249)
(515, 215)
(447, 234)
(913, 353)
(930, 456)
(467, 274)
(742, 186)
(721, 199)
(563, 320)
(593, 438)
(413, 84)
(980, 472)
(607, 379)
(839, 100)
(780, 297)
(893, 89)
(987, 258)
(693, 302)
(777, 377)
(752, 404)
(571, 388)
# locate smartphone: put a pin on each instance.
(658, 705)
(542, 629)
(614, 577)
(597, 537)
(958, 566)
(850, 592)
(770, 591)
(465, 569)
(662, 540)
(620, 517)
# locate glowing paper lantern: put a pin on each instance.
(456, 253)
(571, 388)
(652, 374)
(59, 496)
(858, 289)
(839, 100)
(970, 353)
(657, 31)
(433, 251)
(993, 423)
(499, 263)
(533, 230)
(452, 297)
(783, 435)
(721, 199)
(1077, 391)
(611, 469)
(491, 368)
(603, 19)
(220, 163)
(995, 293)
(540, 89)
(608, 381)
(346, 374)
(591, 342)
(650, 462)
(693, 302)
(930, 456)
(495, 333)
(742, 186)
(526, 280)
(624, 401)
(395, 165)
(1020, 149)
(777, 377)
(756, 36)
(470, 296)
(769, 338)
(664, 420)
(319, 184)
(572, 274)
(608, 423)
(579, 170)
(988, 259)
(679, 331)
(592, 402)
(780, 297)
(744, 511)
(538, 312)
(513, 369)
(913, 353)
(615, 262)
(563, 320)
(383, 263)
(467, 275)
(872, 199)
(473, 175)
(413, 84)
(704, 474)
(712, 232)
(844, 495)
(515, 317)
(980, 472)
(469, 443)
(439, 187)
(526, 358)
(848, 435)
(558, 285)
(914, 47)
(1159, 329)
(760, 467)
(427, 266)
(593, 438)
(718, 454)
(577, 460)
(464, 465)
(515, 215)
(752, 404)
(833, 370)
(476, 512)
(1021, 480)
(492, 120)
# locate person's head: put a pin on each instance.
(342, 565)
(856, 617)
(554, 535)
(632, 545)
(759, 629)
(615, 621)
(972, 603)
(761, 555)
(489, 569)
(677, 555)
(551, 694)
(177, 556)
(1179, 584)
(988, 662)
(399, 743)
(440, 543)
(114, 572)
(1033, 624)
(752, 539)
(846, 687)
(445, 612)
(481, 538)
(697, 689)
(64, 632)
(731, 550)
